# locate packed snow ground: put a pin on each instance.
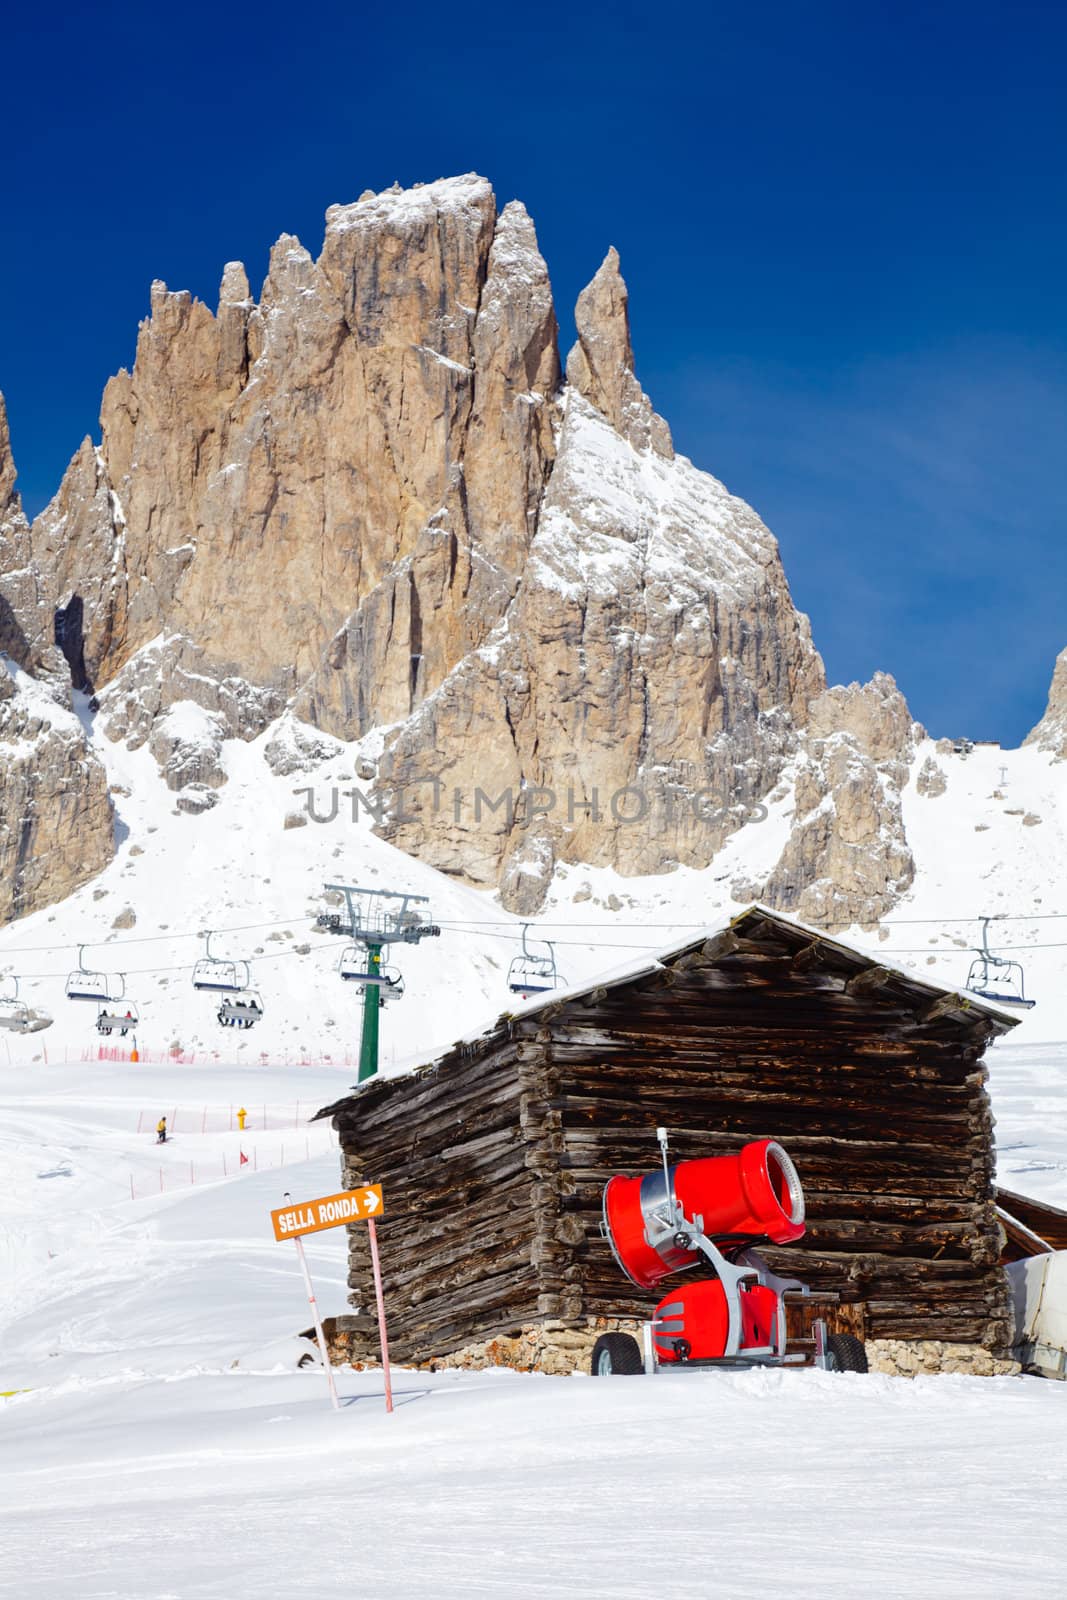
(163, 1445)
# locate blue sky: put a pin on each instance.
(843, 227)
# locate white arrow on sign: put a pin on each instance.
(370, 1200)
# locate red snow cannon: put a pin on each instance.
(693, 1322)
(755, 1195)
(713, 1212)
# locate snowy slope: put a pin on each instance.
(238, 867)
(166, 1447)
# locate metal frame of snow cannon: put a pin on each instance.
(533, 974)
(667, 1224)
(101, 988)
(220, 975)
(982, 975)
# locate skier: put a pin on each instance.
(161, 1131)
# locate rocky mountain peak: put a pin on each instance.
(234, 290)
(600, 365)
(369, 504)
(1051, 732)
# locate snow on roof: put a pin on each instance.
(649, 964)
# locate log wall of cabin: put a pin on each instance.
(459, 1234)
(886, 1116)
(494, 1161)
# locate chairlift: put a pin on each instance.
(102, 988)
(393, 987)
(113, 1020)
(354, 967)
(996, 978)
(532, 973)
(240, 1010)
(224, 977)
(14, 1013)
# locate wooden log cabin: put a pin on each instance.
(494, 1157)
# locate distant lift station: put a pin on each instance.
(373, 919)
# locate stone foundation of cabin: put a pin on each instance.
(560, 1349)
(908, 1358)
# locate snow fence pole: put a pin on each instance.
(376, 1265)
(313, 1303)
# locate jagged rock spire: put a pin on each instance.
(601, 363)
(1051, 732)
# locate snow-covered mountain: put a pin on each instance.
(988, 831)
(362, 549)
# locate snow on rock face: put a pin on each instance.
(187, 743)
(56, 820)
(651, 648)
(847, 858)
(55, 815)
(172, 669)
(293, 746)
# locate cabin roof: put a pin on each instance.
(747, 923)
(719, 939)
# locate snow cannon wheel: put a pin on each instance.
(616, 1355)
(845, 1353)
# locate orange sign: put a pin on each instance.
(333, 1211)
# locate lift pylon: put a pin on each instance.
(374, 919)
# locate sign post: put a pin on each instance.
(336, 1211)
(372, 1232)
(314, 1304)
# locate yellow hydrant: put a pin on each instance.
(241, 1115)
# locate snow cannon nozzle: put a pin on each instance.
(654, 1223)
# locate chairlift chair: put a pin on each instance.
(531, 973)
(240, 1010)
(393, 987)
(14, 1013)
(996, 978)
(101, 988)
(354, 967)
(223, 977)
(111, 1021)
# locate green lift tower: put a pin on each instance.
(372, 920)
